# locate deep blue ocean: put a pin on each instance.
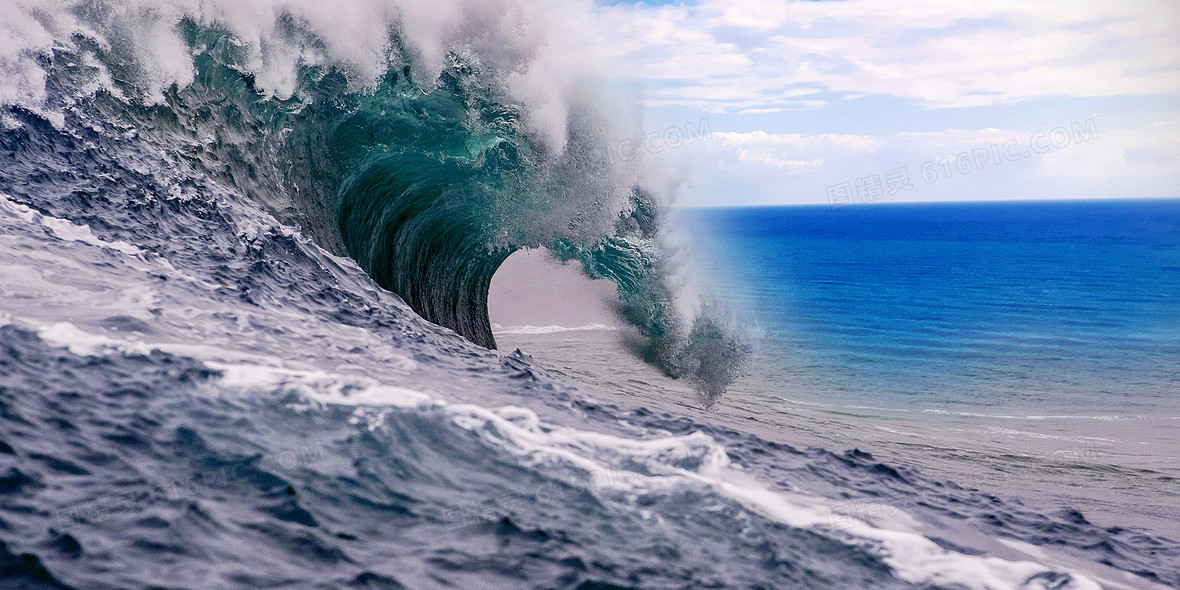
(1061, 307)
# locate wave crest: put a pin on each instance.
(428, 143)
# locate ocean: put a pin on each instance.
(1025, 348)
(245, 258)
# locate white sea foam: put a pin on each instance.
(535, 57)
(519, 431)
(262, 368)
(914, 557)
(322, 386)
(84, 343)
(690, 460)
(63, 229)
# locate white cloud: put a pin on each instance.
(1122, 155)
(755, 55)
(1076, 160)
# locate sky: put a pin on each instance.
(757, 102)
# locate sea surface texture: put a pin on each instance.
(1036, 345)
(223, 231)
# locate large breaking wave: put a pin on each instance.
(193, 395)
(427, 144)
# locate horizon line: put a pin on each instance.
(933, 202)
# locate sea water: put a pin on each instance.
(1028, 349)
(243, 261)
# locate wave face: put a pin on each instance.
(196, 393)
(441, 188)
(429, 159)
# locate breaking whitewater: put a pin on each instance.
(221, 229)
